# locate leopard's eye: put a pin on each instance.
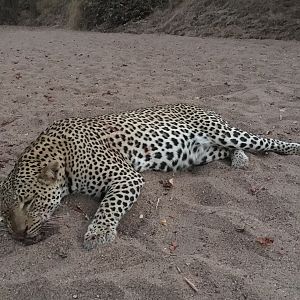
(27, 202)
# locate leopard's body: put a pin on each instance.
(103, 157)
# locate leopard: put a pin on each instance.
(104, 157)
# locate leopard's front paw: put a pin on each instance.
(98, 235)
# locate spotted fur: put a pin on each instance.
(103, 157)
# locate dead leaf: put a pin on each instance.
(255, 189)
(168, 184)
(265, 241)
(62, 253)
(173, 246)
(110, 93)
(49, 98)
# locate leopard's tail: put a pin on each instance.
(237, 139)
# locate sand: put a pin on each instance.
(233, 233)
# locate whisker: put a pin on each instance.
(56, 217)
(49, 229)
(48, 226)
(51, 224)
(55, 220)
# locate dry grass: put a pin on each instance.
(75, 14)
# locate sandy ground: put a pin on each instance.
(213, 217)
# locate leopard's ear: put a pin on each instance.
(50, 173)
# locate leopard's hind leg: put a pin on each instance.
(238, 157)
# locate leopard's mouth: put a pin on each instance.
(33, 240)
(30, 240)
(46, 230)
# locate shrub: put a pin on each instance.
(112, 13)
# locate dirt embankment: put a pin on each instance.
(275, 19)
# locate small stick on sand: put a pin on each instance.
(191, 285)
(188, 281)
(79, 209)
(156, 206)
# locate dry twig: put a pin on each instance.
(191, 285)
(157, 202)
(79, 209)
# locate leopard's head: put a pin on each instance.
(30, 194)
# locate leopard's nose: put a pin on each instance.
(20, 235)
